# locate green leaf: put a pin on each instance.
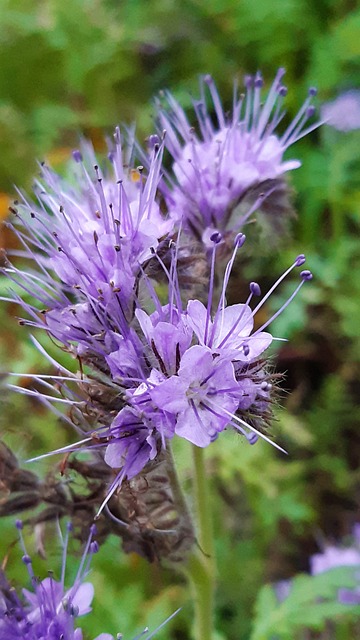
(312, 601)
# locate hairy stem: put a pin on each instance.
(201, 564)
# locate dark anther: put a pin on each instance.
(158, 358)
(177, 356)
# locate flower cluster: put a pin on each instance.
(115, 281)
(49, 611)
(340, 556)
(346, 554)
(215, 167)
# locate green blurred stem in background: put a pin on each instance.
(202, 566)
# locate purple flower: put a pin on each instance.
(215, 165)
(229, 331)
(282, 589)
(89, 239)
(202, 396)
(332, 557)
(343, 113)
(203, 373)
(169, 335)
(49, 611)
(154, 369)
(338, 556)
(188, 372)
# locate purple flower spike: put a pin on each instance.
(116, 285)
(49, 611)
(89, 239)
(215, 165)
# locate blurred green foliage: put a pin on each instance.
(81, 66)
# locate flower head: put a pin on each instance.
(334, 556)
(89, 238)
(157, 368)
(343, 113)
(215, 165)
(187, 371)
(340, 556)
(48, 611)
(200, 372)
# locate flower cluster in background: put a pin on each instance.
(343, 113)
(341, 556)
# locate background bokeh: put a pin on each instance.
(72, 67)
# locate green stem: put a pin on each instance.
(203, 504)
(201, 565)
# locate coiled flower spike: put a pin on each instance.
(216, 163)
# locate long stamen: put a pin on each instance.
(216, 100)
(305, 276)
(215, 238)
(239, 241)
(254, 291)
(248, 426)
(297, 263)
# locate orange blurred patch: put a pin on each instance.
(5, 239)
(4, 205)
(135, 175)
(59, 156)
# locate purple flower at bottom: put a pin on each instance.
(336, 556)
(49, 611)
